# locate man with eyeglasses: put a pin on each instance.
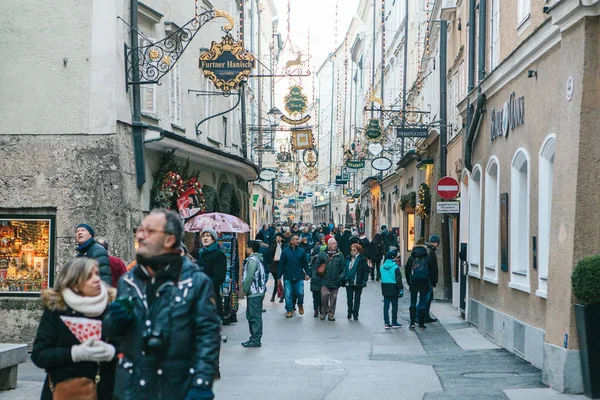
(165, 318)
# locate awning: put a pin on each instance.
(201, 154)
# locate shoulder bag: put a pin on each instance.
(75, 389)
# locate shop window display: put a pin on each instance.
(25, 254)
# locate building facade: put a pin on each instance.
(77, 153)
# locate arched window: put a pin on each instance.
(464, 207)
(491, 232)
(519, 221)
(474, 247)
(546, 177)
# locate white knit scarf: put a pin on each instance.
(88, 306)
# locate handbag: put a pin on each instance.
(321, 269)
(279, 290)
(75, 389)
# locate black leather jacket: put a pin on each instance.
(184, 318)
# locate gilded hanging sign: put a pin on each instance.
(295, 101)
(302, 139)
(355, 164)
(373, 130)
(300, 121)
(227, 64)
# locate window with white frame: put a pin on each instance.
(475, 223)
(495, 35)
(451, 108)
(462, 82)
(524, 9)
(546, 177)
(175, 94)
(148, 92)
(519, 221)
(208, 107)
(491, 228)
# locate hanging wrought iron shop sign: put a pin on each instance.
(227, 64)
(302, 139)
(381, 163)
(295, 101)
(310, 157)
(412, 132)
(373, 130)
(300, 121)
(355, 164)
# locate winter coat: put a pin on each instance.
(420, 251)
(52, 348)
(264, 251)
(364, 242)
(391, 279)
(96, 251)
(389, 239)
(315, 279)
(293, 264)
(184, 318)
(253, 276)
(274, 264)
(359, 274)
(335, 269)
(344, 243)
(117, 269)
(433, 266)
(376, 251)
(214, 264)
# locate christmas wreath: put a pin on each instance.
(408, 199)
(424, 207)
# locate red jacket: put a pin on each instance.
(117, 268)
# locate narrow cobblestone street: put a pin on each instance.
(304, 357)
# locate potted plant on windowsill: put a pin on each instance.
(585, 282)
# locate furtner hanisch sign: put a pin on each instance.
(227, 64)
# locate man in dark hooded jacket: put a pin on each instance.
(432, 245)
(344, 242)
(420, 275)
(87, 247)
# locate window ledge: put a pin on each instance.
(150, 116)
(518, 286)
(490, 279)
(520, 273)
(544, 278)
(524, 24)
(475, 274)
(178, 127)
(541, 293)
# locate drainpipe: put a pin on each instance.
(136, 120)
(482, 31)
(331, 129)
(473, 130)
(471, 61)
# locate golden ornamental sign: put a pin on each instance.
(227, 64)
(295, 101)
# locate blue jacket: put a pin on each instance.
(293, 264)
(391, 278)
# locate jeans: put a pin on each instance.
(387, 300)
(254, 307)
(429, 300)
(316, 301)
(423, 297)
(296, 288)
(375, 270)
(353, 294)
(328, 301)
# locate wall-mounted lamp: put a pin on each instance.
(532, 74)
(421, 165)
(459, 24)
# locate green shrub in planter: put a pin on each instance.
(585, 280)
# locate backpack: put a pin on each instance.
(420, 271)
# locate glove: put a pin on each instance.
(107, 351)
(119, 314)
(196, 393)
(401, 293)
(85, 351)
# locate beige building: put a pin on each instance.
(529, 204)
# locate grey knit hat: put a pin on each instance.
(212, 232)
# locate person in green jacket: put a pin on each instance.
(254, 286)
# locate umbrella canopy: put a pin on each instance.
(217, 221)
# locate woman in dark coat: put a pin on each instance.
(376, 252)
(214, 264)
(275, 251)
(78, 292)
(357, 275)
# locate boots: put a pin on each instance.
(422, 316)
(413, 315)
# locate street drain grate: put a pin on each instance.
(489, 374)
(317, 361)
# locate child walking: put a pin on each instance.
(391, 285)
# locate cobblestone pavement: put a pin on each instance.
(306, 358)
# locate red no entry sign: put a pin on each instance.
(448, 188)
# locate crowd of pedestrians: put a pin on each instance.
(152, 330)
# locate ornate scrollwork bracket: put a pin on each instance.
(149, 63)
